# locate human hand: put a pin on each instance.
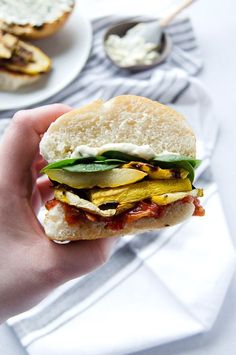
(31, 264)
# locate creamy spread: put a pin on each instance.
(127, 51)
(33, 12)
(140, 151)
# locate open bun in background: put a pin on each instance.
(139, 122)
(21, 63)
(35, 19)
(35, 32)
(12, 81)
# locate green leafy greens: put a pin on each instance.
(175, 158)
(113, 159)
(66, 162)
(73, 164)
(113, 154)
(170, 161)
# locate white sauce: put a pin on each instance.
(142, 151)
(33, 12)
(127, 51)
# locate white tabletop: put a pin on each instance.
(215, 26)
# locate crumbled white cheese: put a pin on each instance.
(129, 51)
(84, 151)
(142, 151)
(33, 12)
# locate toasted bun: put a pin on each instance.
(34, 19)
(57, 228)
(128, 118)
(12, 81)
(131, 119)
(36, 32)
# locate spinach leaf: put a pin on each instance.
(187, 166)
(172, 158)
(89, 168)
(113, 154)
(68, 162)
(169, 161)
(109, 161)
(112, 159)
(99, 158)
(59, 164)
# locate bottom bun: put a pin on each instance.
(58, 229)
(12, 81)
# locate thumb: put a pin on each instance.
(20, 143)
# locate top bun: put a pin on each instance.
(35, 19)
(123, 119)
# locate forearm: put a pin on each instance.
(21, 288)
(17, 298)
(31, 265)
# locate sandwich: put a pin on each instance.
(34, 19)
(119, 167)
(20, 63)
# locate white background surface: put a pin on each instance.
(215, 26)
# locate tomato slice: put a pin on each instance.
(143, 209)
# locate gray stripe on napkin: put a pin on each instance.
(86, 286)
(100, 77)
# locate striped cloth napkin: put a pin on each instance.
(155, 288)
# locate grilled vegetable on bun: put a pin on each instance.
(20, 63)
(119, 167)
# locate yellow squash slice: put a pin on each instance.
(154, 172)
(38, 63)
(172, 197)
(72, 199)
(111, 178)
(139, 191)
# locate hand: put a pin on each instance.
(31, 264)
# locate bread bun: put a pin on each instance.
(21, 63)
(128, 118)
(58, 229)
(123, 119)
(12, 81)
(35, 20)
